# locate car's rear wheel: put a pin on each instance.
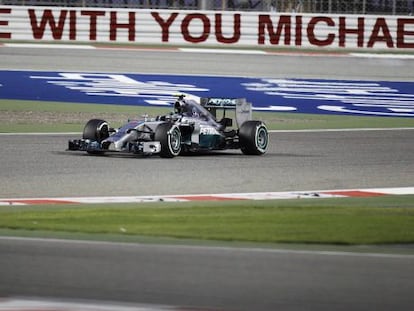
(96, 130)
(254, 138)
(169, 136)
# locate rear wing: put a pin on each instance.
(240, 105)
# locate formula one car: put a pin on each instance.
(192, 127)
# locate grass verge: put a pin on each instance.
(346, 221)
(35, 116)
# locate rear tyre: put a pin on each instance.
(254, 138)
(96, 130)
(169, 136)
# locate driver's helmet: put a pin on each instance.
(181, 107)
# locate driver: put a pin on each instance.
(191, 109)
(181, 107)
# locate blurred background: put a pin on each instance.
(377, 7)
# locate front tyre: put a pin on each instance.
(96, 130)
(169, 136)
(254, 138)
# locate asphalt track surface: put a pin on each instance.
(213, 277)
(175, 62)
(39, 166)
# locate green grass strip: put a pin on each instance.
(36, 116)
(318, 221)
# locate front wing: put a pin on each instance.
(94, 147)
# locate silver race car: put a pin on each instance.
(192, 127)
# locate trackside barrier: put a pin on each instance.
(206, 28)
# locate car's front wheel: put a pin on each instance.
(96, 130)
(169, 136)
(254, 138)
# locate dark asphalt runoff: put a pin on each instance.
(214, 278)
(210, 277)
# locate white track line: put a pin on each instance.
(223, 51)
(311, 194)
(235, 50)
(32, 304)
(50, 46)
(343, 130)
(270, 131)
(385, 55)
(337, 251)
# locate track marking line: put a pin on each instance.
(338, 251)
(32, 304)
(223, 51)
(357, 193)
(50, 46)
(207, 198)
(270, 131)
(386, 55)
(344, 130)
(314, 194)
(235, 50)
